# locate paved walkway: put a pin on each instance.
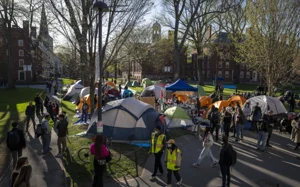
(277, 166)
(47, 170)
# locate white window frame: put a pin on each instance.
(21, 52)
(220, 64)
(208, 74)
(20, 43)
(220, 74)
(226, 74)
(21, 60)
(242, 74)
(227, 65)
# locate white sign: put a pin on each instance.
(99, 127)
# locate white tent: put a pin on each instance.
(267, 103)
(85, 91)
(177, 123)
(156, 89)
(75, 88)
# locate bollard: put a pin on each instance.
(136, 164)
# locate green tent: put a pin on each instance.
(147, 82)
(135, 83)
(201, 91)
(176, 112)
(128, 83)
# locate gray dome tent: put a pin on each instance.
(127, 120)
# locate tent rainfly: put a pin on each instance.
(177, 117)
(75, 88)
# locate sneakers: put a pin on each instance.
(179, 182)
(152, 177)
(196, 165)
(214, 165)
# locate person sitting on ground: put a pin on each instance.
(21, 174)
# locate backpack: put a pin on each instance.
(232, 154)
(13, 139)
(39, 130)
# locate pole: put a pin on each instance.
(100, 69)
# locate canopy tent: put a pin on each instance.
(180, 85)
(153, 90)
(135, 83)
(177, 117)
(205, 101)
(147, 82)
(127, 119)
(86, 98)
(267, 103)
(237, 98)
(201, 91)
(85, 91)
(75, 88)
(109, 83)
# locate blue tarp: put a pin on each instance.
(180, 85)
(145, 145)
(230, 86)
(219, 78)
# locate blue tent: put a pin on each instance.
(219, 78)
(127, 120)
(180, 85)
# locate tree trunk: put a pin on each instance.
(10, 79)
(83, 60)
(176, 64)
(199, 65)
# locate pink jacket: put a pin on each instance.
(104, 150)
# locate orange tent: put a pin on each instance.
(218, 104)
(109, 83)
(181, 96)
(86, 98)
(205, 101)
(237, 98)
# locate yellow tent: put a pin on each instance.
(86, 98)
(205, 101)
(237, 98)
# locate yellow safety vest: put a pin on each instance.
(51, 124)
(159, 143)
(172, 158)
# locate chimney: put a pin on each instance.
(26, 28)
(33, 32)
(208, 32)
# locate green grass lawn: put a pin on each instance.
(67, 81)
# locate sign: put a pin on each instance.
(99, 127)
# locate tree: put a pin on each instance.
(272, 44)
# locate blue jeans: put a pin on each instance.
(84, 117)
(261, 140)
(225, 171)
(206, 151)
(46, 142)
(238, 130)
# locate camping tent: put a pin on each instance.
(75, 88)
(147, 82)
(127, 119)
(135, 83)
(201, 91)
(177, 117)
(219, 105)
(205, 101)
(180, 85)
(152, 90)
(237, 98)
(182, 97)
(126, 93)
(267, 103)
(86, 98)
(109, 83)
(85, 91)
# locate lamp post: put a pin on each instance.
(101, 7)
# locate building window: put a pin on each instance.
(242, 74)
(219, 73)
(203, 73)
(207, 63)
(208, 74)
(20, 43)
(220, 65)
(248, 75)
(203, 64)
(242, 66)
(227, 64)
(167, 69)
(21, 52)
(21, 62)
(226, 74)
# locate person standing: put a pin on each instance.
(239, 124)
(62, 131)
(46, 135)
(214, 118)
(271, 121)
(256, 115)
(38, 104)
(208, 142)
(46, 102)
(225, 161)
(262, 128)
(227, 122)
(15, 141)
(84, 111)
(158, 141)
(30, 111)
(100, 152)
(295, 134)
(173, 161)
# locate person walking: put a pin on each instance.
(208, 142)
(214, 118)
(30, 111)
(295, 134)
(271, 121)
(173, 161)
(100, 152)
(62, 131)
(262, 128)
(46, 135)
(225, 161)
(84, 111)
(15, 141)
(21, 174)
(158, 141)
(38, 104)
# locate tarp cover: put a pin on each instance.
(126, 119)
(180, 85)
(267, 103)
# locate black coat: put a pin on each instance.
(22, 143)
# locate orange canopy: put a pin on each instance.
(205, 101)
(218, 104)
(237, 98)
(181, 96)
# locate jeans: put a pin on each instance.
(226, 127)
(239, 131)
(215, 126)
(169, 176)
(261, 140)
(15, 154)
(61, 141)
(46, 142)
(28, 120)
(253, 126)
(206, 151)
(157, 163)
(84, 117)
(225, 171)
(270, 131)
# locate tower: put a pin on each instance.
(44, 36)
(156, 32)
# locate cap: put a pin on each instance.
(171, 141)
